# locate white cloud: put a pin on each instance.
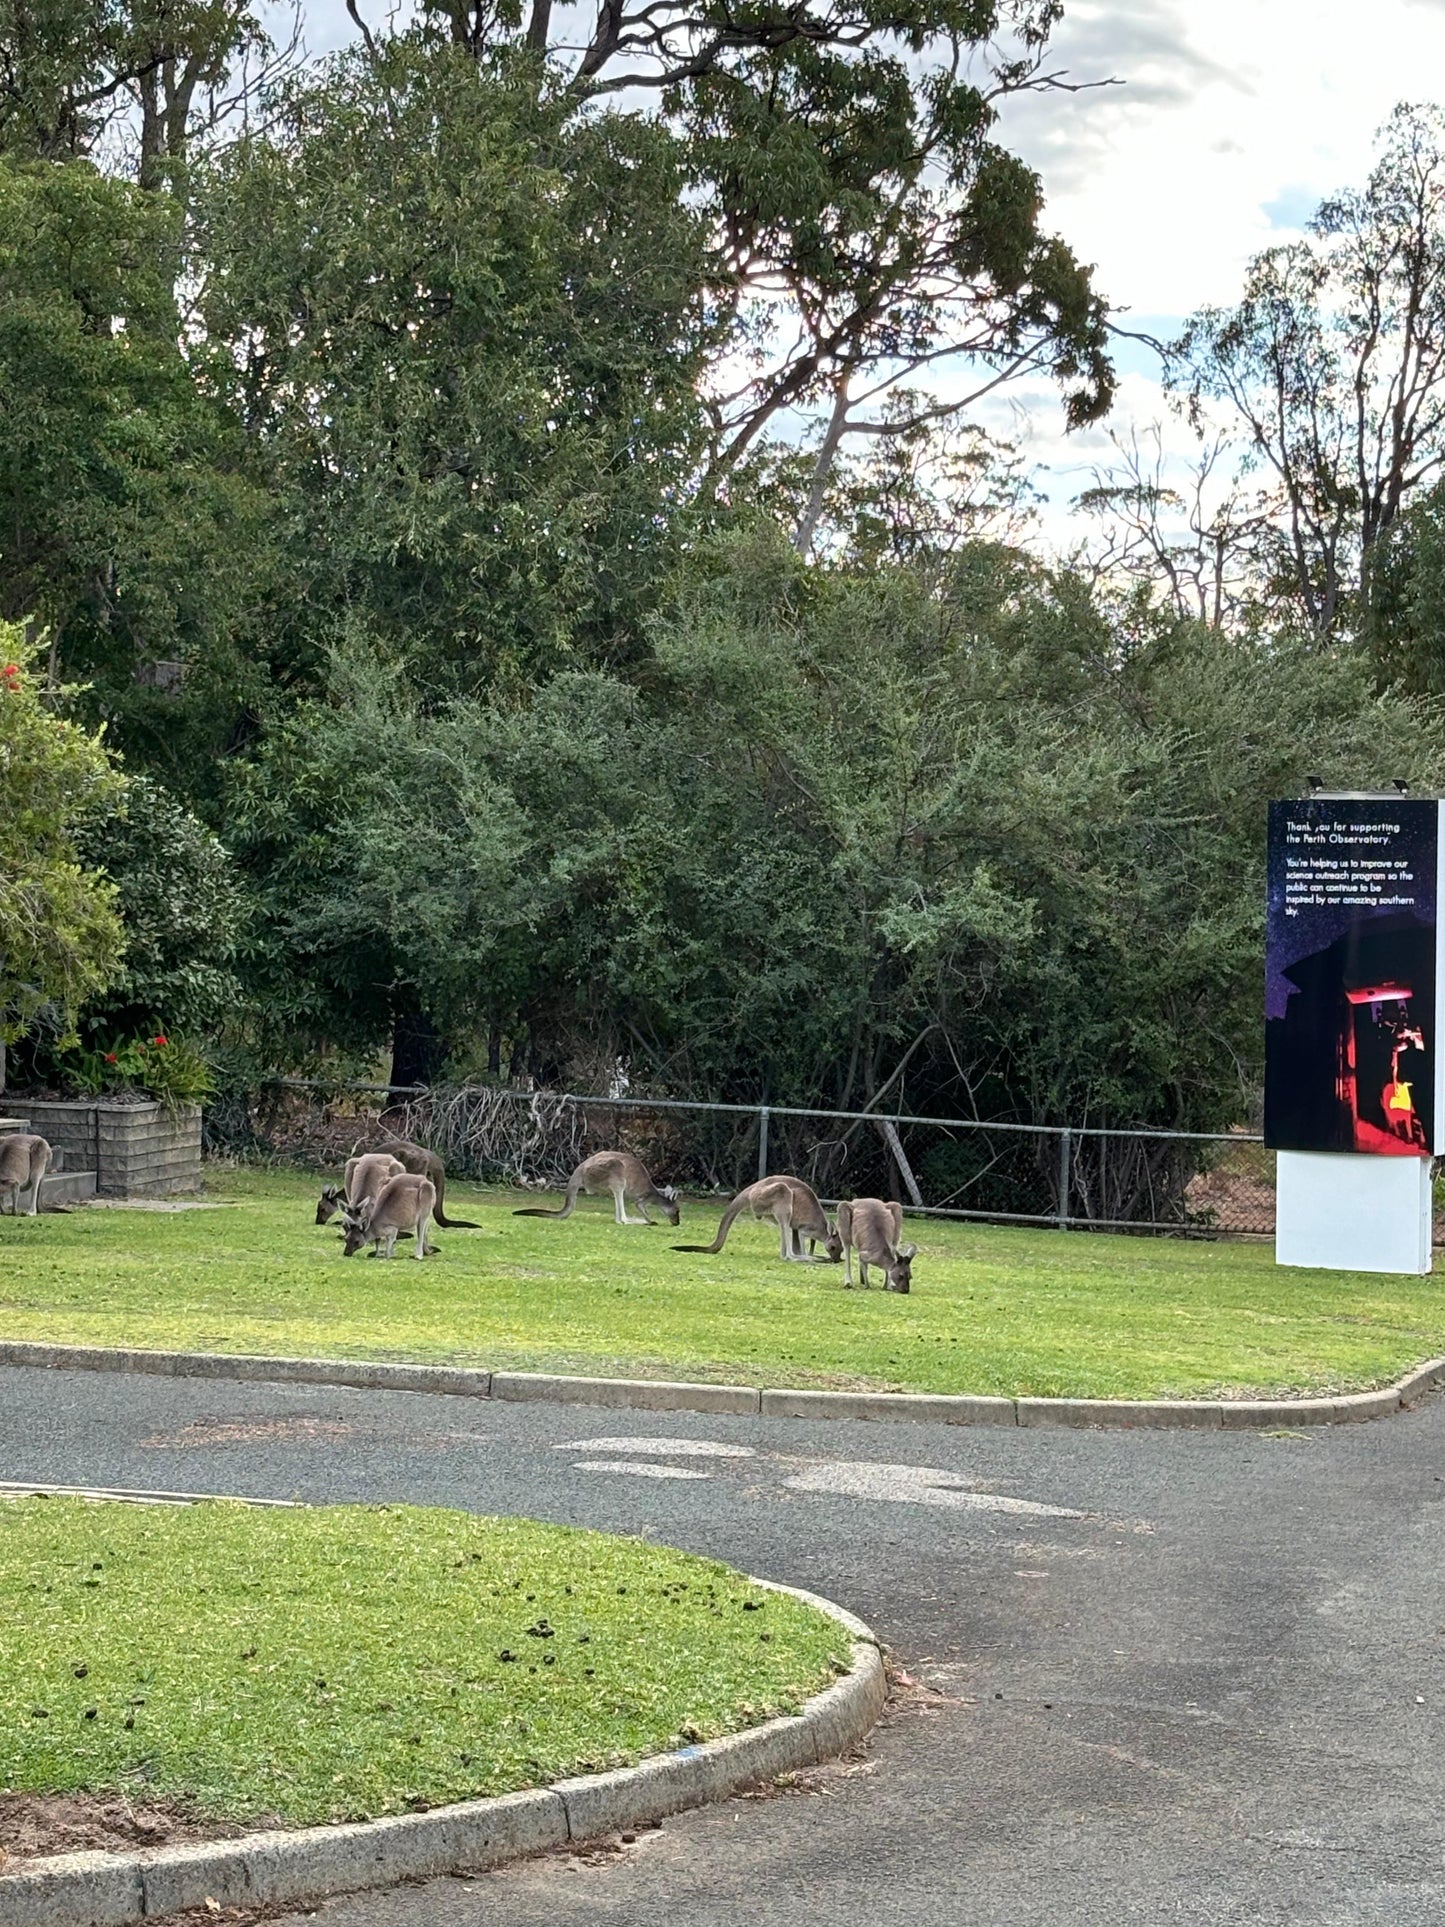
(1232, 121)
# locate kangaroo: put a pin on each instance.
(423, 1163)
(625, 1176)
(24, 1160)
(405, 1203)
(364, 1178)
(795, 1207)
(872, 1229)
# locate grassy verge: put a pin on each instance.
(993, 1310)
(349, 1661)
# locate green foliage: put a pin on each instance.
(182, 908)
(123, 531)
(60, 936)
(467, 336)
(853, 827)
(341, 1662)
(136, 79)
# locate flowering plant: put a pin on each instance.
(172, 1070)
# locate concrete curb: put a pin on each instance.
(296, 1868)
(666, 1395)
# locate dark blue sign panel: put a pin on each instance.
(1351, 1045)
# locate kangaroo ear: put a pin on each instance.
(908, 1251)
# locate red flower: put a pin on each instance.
(162, 1041)
(110, 1057)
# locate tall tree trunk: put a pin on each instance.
(823, 469)
(416, 1050)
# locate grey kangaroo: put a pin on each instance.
(364, 1178)
(872, 1229)
(797, 1211)
(625, 1176)
(402, 1204)
(423, 1163)
(24, 1160)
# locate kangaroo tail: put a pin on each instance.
(541, 1210)
(457, 1224)
(722, 1231)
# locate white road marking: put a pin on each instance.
(665, 1448)
(916, 1485)
(639, 1471)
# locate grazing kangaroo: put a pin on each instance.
(423, 1163)
(364, 1178)
(625, 1176)
(402, 1204)
(873, 1229)
(24, 1160)
(795, 1207)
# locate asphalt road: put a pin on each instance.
(1163, 1677)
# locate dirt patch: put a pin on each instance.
(159, 1204)
(251, 1431)
(300, 1428)
(36, 1824)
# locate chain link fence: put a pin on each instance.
(1069, 1176)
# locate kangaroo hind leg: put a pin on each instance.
(785, 1235)
(40, 1166)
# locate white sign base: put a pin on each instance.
(1345, 1211)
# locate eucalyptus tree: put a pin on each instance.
(869, 233)
(1330, 373)
(133, 84)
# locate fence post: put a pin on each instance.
(762, 1141)
(1066, 1176)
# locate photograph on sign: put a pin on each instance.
(1350, 1019)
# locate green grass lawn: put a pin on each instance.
(992, 1310)
(347, 1661)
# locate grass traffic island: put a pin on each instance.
(246, 1666)
(994, 1310)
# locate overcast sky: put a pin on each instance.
(1231, 120)
(1234, 118)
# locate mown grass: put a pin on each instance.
(993, 1310)
(351, 1661)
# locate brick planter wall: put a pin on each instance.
(135, 1150)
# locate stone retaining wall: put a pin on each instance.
(135, 1150)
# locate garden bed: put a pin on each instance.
(137, 1147)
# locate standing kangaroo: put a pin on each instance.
(24, 1160)
(625, 1176)
(402, 1204)
(423, 1163)
(872, 1229)
(364, 1178)
(797, 1211)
